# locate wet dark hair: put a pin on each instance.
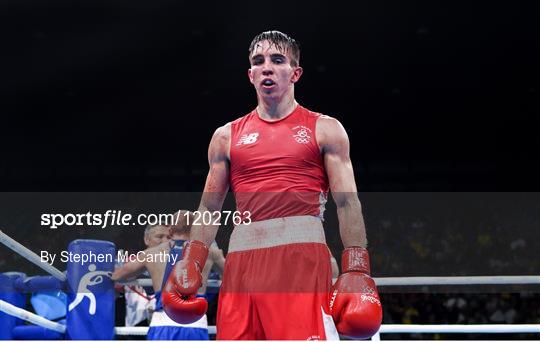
(283, 43)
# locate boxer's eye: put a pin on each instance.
(257, 60)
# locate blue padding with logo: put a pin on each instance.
(91, 294)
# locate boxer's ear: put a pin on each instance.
(250, 75)
(297, 73)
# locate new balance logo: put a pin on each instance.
(247, 139)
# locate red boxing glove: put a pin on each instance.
(355, 304)
(179, 293)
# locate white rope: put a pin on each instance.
(31, 256)
(460, 328)
(410, 281)
(147, 282)
(31, 317)
(467, 280)
(131, 331)
(141, 331)
(403, 328)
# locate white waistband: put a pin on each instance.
(160, 319)
(277, 232)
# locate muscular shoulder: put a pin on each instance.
(330, 133)
(328, 123)
(219, 146)
(223, 133)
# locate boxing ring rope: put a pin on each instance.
(147, 282)
(456, 329)
(416, 328)
(460, 328)
(414, 281)
(31, 256)
(384, 281)
(401, 328)
(461, 280)
(31, 317)
(385, 328)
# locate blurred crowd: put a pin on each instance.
(461, 308)
(443, 242)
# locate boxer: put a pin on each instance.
(280, 160)
(162, 239)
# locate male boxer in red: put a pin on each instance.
(280, 161)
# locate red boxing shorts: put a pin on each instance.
(276, 283)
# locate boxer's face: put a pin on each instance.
(271, 71)
(156, 236)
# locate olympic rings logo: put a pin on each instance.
(302, 136)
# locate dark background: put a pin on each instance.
(125, 95)
(435, 95)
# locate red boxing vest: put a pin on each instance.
(276, 167)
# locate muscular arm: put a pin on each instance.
(334, 143)
(217, 183)
(134, 268)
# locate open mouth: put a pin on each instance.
(268, 83)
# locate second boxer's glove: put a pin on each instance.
(179, 294)
(355, 304)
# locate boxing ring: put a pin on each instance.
(62, 279)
